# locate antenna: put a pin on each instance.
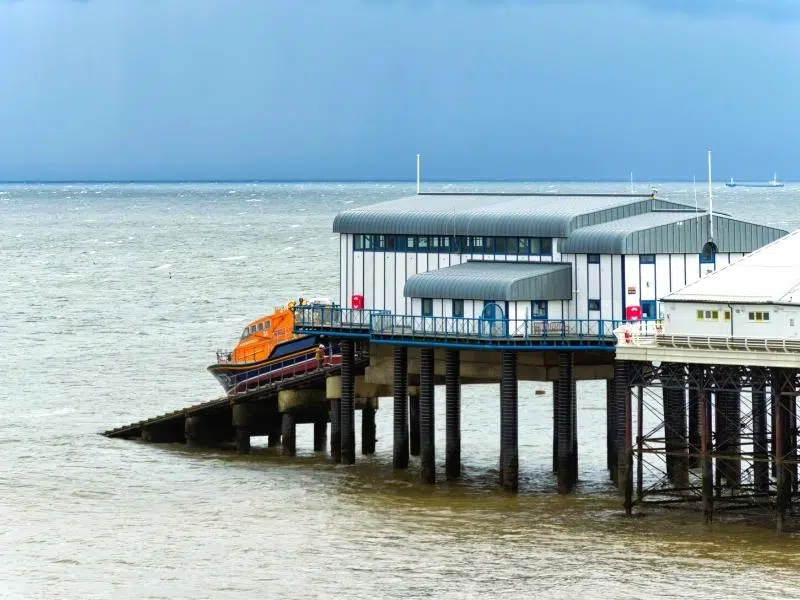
(694, 187)
(710, 202)
(418, 178)
(631, 182)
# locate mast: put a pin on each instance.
(710, 202)
(418, 157)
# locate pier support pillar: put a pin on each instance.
(555, 426)
(704, 423)
(288, 435)
(760, 449)
(624, 438)
(509, 428)
(565, 423)
(368, 431)
(333, 391)
(674, 399)
(694, 417)
(611, 460)
(783, 411)
(400, 420)
(198, 432)
(321, 432)
(413, 420)
(728, 432)
(348, 416)
(426, 417)
(274, 435)
(242, 422)
(453, 413)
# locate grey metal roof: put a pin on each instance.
(666, 232)
(545, 215)
(494, 280)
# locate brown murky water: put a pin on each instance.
(115, 298)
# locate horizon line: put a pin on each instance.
(353, 181)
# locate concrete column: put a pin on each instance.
(400, 391)
(368, 431)
(509, 428)
(413, 420)
(242, 422)
(288, 435)
(426, 417)
(565, 423)
(333, 391)
(453, 414)
(321, 432)
(348, 403)
(274, 434)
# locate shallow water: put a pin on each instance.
(114, 300)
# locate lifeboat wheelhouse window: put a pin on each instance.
(245, 333)
(260, 327)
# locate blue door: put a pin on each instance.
(494, 317)
(649, 309)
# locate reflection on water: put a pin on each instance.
(97, 335)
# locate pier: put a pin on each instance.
(539, 288)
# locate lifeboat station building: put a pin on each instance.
(445, 288)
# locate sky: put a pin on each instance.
(354, 89)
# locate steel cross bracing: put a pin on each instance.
(752, 447)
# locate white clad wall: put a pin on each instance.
(606, 287)
(677, 271)
(580, 282)
(632, 281)
(647, 281)
(680, 318)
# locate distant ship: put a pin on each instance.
(769, 184)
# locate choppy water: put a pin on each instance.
(114, 298)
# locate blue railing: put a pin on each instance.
(383, 324)
(458, 328)
(333, 318)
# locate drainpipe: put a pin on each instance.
(731, 308)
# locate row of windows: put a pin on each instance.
(758, 316)
(467, 244)
(538, 308)
(712, 315)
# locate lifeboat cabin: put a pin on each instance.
(269, 350)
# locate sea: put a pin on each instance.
(114, 299)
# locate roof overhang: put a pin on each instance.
(491, 280)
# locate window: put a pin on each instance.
(422, 243)
(411, 243)
(379, 242)
(539, 309)
(708, 253)
(594, 305)
(367, 242)
(758, 316)
(433, 243)
(260, 327)
(593, 259)
(475, 244)
(727, 315)
(700, 314)
(445, 243)
(647, 259)
(358, 242)
(541, 246)
(427, 307)
(391, 243)
(460, 244)
(489, 245)
(458, 308)
(523, 246)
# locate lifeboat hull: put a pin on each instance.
(288, 359)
